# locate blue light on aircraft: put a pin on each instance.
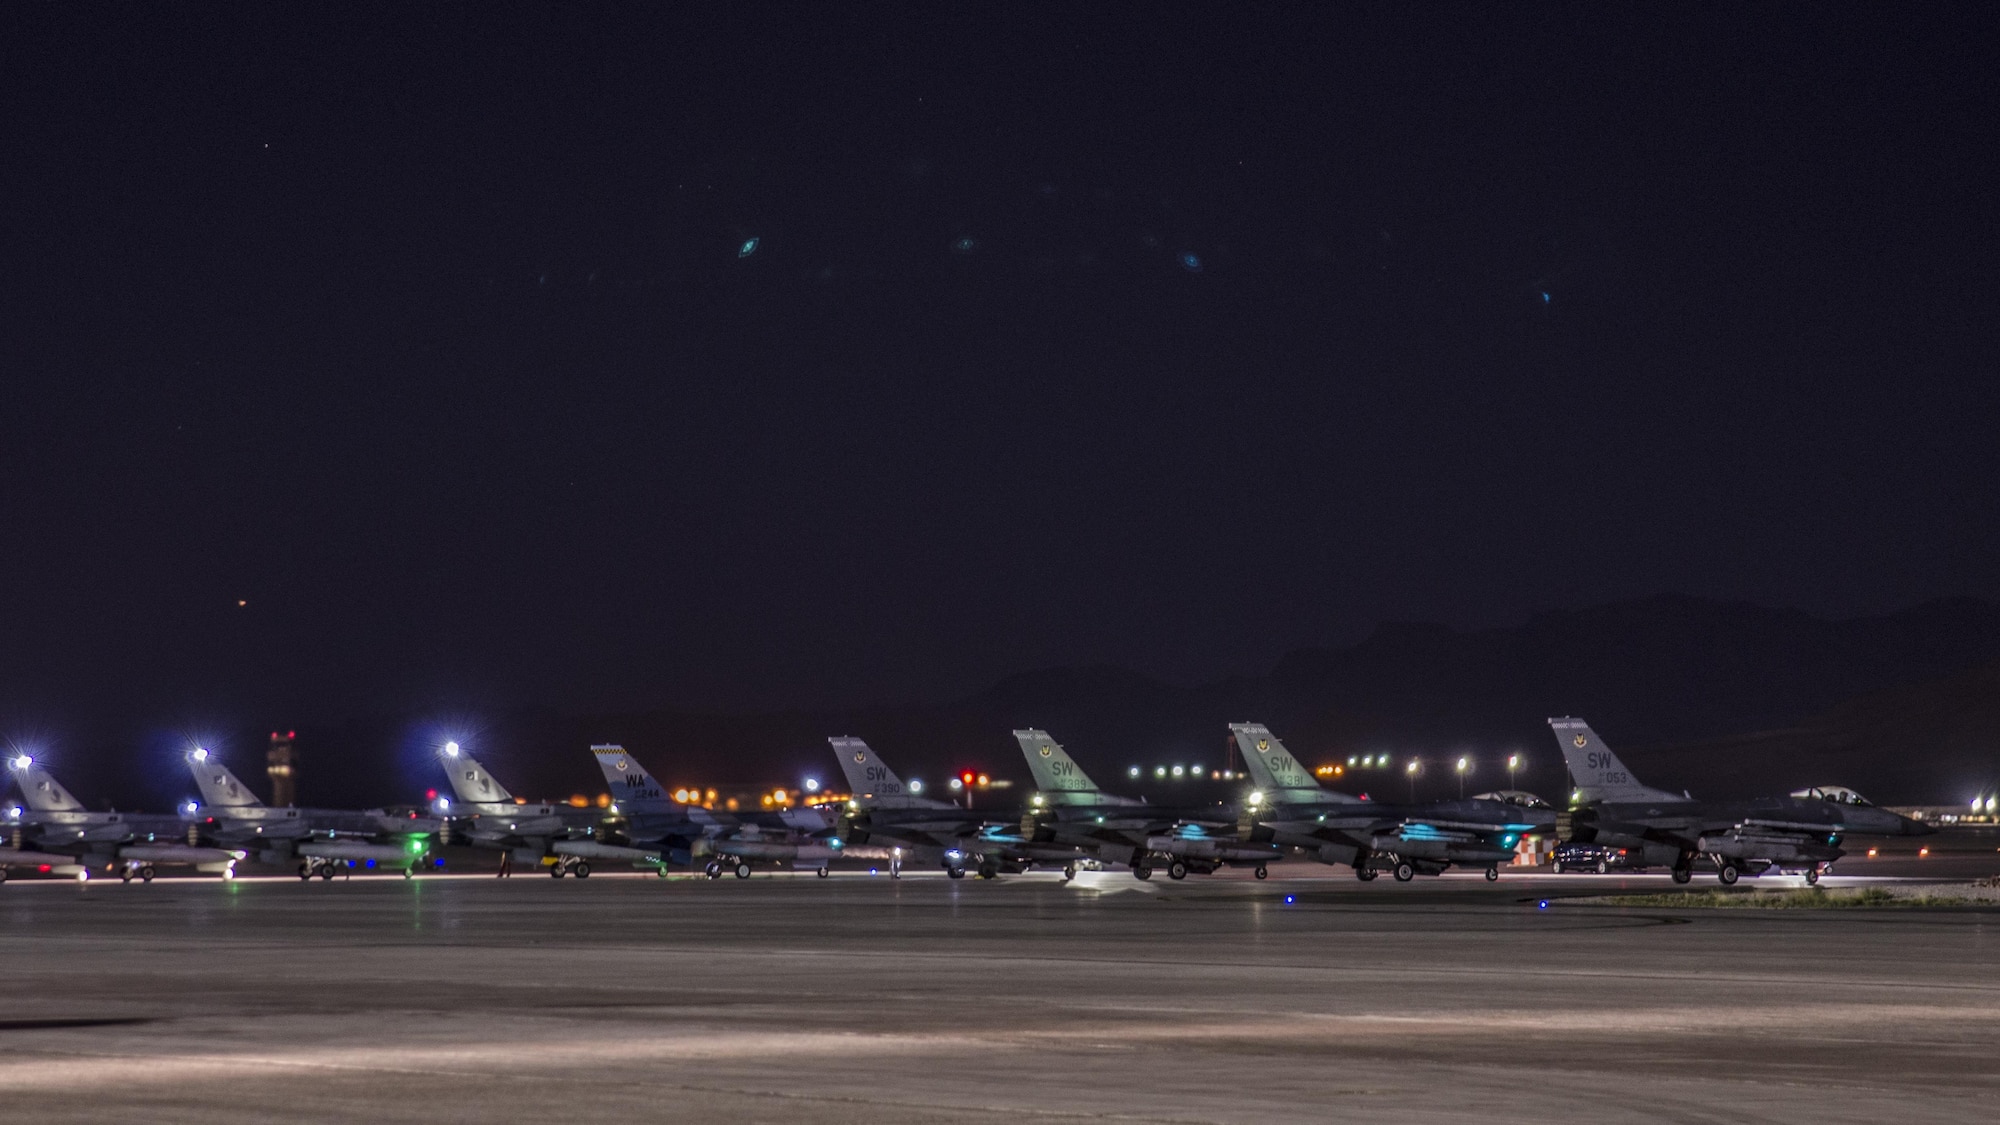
(1542, 905)
(1190, 262)
(748, 248)
(1288, 900)
(371, 865)
(1507, 841)
(1545, 296)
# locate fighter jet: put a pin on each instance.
(322, 841)
(529, 833)
(1794, 833)
(790, 836)
(55, 822)
(886, 812)
(1071, 811)
(1290, 808)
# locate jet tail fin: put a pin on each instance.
(867, 778)
(219, 788)
(1273, 769)
(40, 789)
(1057, 775)
(631, 786)
(470, 780)
(1599, 775)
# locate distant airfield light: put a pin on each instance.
(1256, 798)
(1871, 853)
(451, 749)
(749, 247)
(956, 785)
(1178, 771)
(812, 785)
(190, 808)
(1513, 761)
(1133, 772)
(1990, 804)
(1923, 852)
(1463, 765)
(916, 786)
(1036, 800)
(1413, 765)
(681, 795)
(1350, 759)
(444, 804)
(984, 781)
(1159, 771)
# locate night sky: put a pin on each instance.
(467, 357)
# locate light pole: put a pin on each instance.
(1463, 765)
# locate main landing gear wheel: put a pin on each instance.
(955, 872)
(822, 871)
(1262, 872)
(1492, 874)
(1812, 875)
(1683, 874)
(1142, 873)
(1177, 870)
(1557, 866)
(988, 871)
(581, 870)
(713, 870)
(1728, 874)
(1604, 867)
(556, 871)
(326, 873)
(1069, 872)
(742, 871)
(146, 873)
(1405, 873)
(1366, 874)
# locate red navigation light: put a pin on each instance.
(967, 777)
(430, 794)
(291, 734)
(45, 869)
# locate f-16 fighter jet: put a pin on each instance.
(1795, 833)
(1071, 811)
(1292, 809)
(736, 843)
(321, 841)
(886, 813)
(529, 834)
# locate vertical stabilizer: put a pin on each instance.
(1599, 775)
(867, 778)
(470, 780)
(632, 788)
(1273, 769)
(220, 789)
(39, 788)
(1057, 775)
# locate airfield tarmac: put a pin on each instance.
(858, 999)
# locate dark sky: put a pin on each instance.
(1169, 336)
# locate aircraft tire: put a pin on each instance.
(305, 872)
(742, 871)
(1812, 875)
(127, 877)
(1604, 867)
(1728, 874)
(1683, 874)
(1069, 872)
(1262, 872)
(713, 870)
(326, 873)
(955, 872)
(1141, 872)
(822, 871)
(1177, 871)
(409, 873)
(581, 870)
(1366, 874)
(146, 873)
(1405, 873)
(1557, 867)
(555, 871)
(1492, 874)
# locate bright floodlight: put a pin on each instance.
(451, 749)
(23, 762)
(812, 785)
(200, 754)
(1462, 763)
(1413, 765)
(916, 786)
(956, 784)
(190, 808)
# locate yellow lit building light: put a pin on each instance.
(579, 801)
(984, 781)
(604, 800)
(730, 804)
